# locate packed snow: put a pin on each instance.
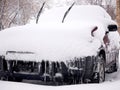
(77, 13)
(22, 86)
(54, 42)
(58, 41)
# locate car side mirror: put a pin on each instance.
(112, 28)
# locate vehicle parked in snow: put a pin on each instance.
(79, 48)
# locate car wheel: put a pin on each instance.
(115, 65)
(112, 68)
(100, 75)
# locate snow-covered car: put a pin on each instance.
(70, 45)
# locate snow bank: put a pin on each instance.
(22, 86)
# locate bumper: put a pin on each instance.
(69, 71)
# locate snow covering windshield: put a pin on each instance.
(81, 12)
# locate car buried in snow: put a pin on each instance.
(80, 48)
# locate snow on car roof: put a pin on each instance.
(77, 12)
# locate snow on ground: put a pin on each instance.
(115, 85)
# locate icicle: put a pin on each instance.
(50, 70)
(50, 67)
(71, 63)
(57, 67)
(78, 63)
(47, 66)
(33, 64)
(13, 64)
(39, 65)
(16, 62)
(45, 73)
(8, 65)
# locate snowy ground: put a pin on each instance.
(112, 83)
(108, 85)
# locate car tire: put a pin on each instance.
(100, 75)
(114, 67)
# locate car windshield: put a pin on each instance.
(76, 13)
